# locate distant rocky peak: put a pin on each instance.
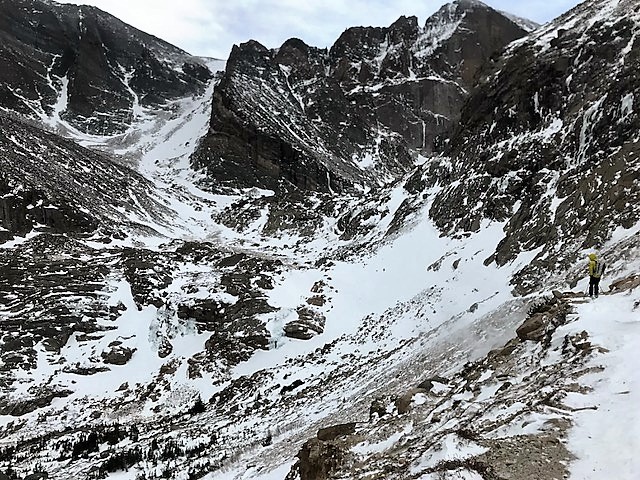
(437, 29)
(524, 23)
(469, 4)
(358, 42)
(455, 11)
(295, 52)
(251, 53)
(404, 30)
(295, 44)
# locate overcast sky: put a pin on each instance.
(211, 27)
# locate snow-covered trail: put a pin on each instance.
(606, 434)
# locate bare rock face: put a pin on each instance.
(248, 145)
(38, 398)
(88, 64)
(317, 460)
(329, 120)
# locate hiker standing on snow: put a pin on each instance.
(596, 270)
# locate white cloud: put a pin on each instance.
(211, 27)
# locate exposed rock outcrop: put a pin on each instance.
(117, 354)
(308, 324)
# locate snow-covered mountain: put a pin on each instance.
(79, 68)
(549, 142)
(354, 116)
(161, 321)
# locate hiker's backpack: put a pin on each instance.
(598, 270)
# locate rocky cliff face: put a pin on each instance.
(85, 67)
(353, 115)
(548, 143)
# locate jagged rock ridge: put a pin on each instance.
(356, 114)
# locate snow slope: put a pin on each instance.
(401, 303)
(607, 431)
(409, 305)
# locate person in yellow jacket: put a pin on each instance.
(596, 270)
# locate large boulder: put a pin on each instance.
(118, 354)
(308, 324)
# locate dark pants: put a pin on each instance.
(594, 285)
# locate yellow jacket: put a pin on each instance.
(593, 266)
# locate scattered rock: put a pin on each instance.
(118, 355)
(318, 287)
(85, 371)
(291, 387)
(403, 403)
(308, 324)
(169, 368)
(505, 351)
(543, 319)
(528, 457)
(566, 295)
(317, 300)
(164, 348)
(378, 408)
